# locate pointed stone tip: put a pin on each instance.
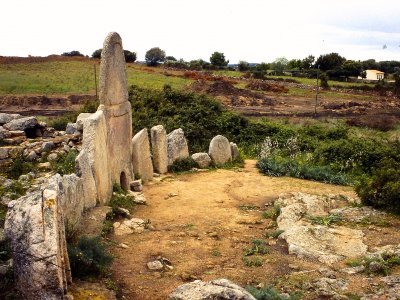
(112, 38)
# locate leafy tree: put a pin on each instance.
(154, 56)
(217, 59)
(351, 68)
(308, 62)
(370, 64)
(330, 61)
(170, 58)
(72, 53)
(295, 64)
(279, 65)
(130, 57)
(97, 53)
(243, 66)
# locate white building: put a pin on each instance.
(374, 75)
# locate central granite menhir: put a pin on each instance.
(117, 110)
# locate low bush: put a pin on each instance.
(89, 257)
(65, 164)
(182, 165)
(281, 166)
(382, 188)
(19, 167)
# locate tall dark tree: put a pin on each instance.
(330, 61)
(217, 59)
(72, 53)
(154, 56)
(243, 66)
(308, 62)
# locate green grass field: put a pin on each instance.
(72, 77)
(77, 77)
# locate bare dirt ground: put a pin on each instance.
(204, 221)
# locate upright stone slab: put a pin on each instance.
(93, 160)
(141, 156)
(177, 147)
(220, 150)
(117, 109)
(35, 227)
(159, 149)
(234, 151)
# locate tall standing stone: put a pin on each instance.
(159, 149)
(141, 156)
(177, 147)
(117, 109)
(220, 150)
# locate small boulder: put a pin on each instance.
(21, 124)
(32, 156)
(71, 128)
(221, 289)
(155, 265)
(52, 157)
(6, 118)
(220, 150)
(3, 153)
(47, 146)
(203, 160)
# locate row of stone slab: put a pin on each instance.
(166, 149)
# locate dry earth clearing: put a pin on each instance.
(204, 221)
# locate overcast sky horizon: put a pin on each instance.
(250, 30)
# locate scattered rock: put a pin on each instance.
(123, 246)
(221, 289)
(71, 128)
(136, 185)
(353, 270)
(52, 157)
(155, 265)
(203, 160)
(32, 156)
(47, 146)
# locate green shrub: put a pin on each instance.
(60, 123)
(272, 213)
(269, 293)
(19, 167)
(181, 165)
(89, 257)
(252, 261)
(120, 199)
(382, 188)
(65, 164)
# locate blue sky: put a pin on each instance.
(251, 30)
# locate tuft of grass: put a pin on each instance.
(258, 247)
(248, 207)
(270, 293)
(325, 220)
(252, 261)
(275, 234)
(272, 213)
(354, 262)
